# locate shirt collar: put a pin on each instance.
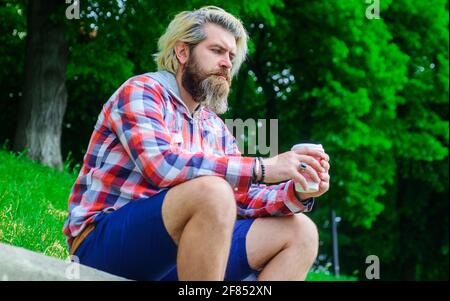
(168, 81)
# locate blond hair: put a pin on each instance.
(187, 27)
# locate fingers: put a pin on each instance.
(324, 186)
(325, 165)
(324, 176)
(312, 152)
(311, 162)
(299, 178)
(312, 173)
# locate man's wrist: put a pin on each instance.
(295, 202)
(258, 170)
(263, 170)
(255, 170)
(300, 196)
(306, 201)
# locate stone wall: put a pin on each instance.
(17, 264)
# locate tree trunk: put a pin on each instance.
(41, 112)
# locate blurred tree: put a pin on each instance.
(333, 76)
(44, 102)
(411, 234)
(420, 133)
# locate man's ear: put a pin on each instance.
(182, 52)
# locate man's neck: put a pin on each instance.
(190, 103)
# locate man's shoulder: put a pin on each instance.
(144, 81)
(137, 88)
(141, 86)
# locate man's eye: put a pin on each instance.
(216, 50)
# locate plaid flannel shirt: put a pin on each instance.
(146, 140)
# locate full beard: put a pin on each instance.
(208, 89)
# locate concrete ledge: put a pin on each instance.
(18, 264)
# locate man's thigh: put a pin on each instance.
(203, 193)
(131, 242)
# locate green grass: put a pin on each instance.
(325, 276)
(33, 208)
(33, 205)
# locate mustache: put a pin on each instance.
(223, 73)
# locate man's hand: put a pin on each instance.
(324, 184)
(285, 166)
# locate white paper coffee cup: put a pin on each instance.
(312, 185)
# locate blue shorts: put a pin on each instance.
(133, 242)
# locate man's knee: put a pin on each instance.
(304, 235)
(215, 199)
(209, 200)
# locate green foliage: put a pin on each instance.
(355, 85)
(12, 59)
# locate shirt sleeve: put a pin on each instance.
(136, 118)
(271, 200)
(267, 200)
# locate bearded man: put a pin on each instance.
(164, 193)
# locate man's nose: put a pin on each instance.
(225, 62)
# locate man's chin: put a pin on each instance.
(216, 89)
(218, 106)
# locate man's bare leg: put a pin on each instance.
(199, 215)
(282, 248)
